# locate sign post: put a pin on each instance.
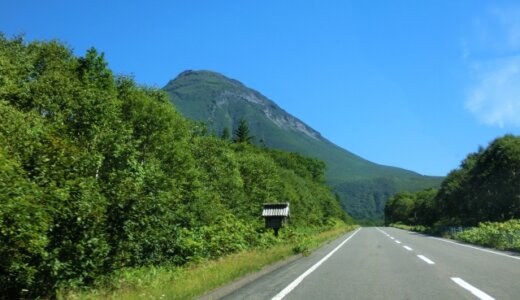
(275, 215)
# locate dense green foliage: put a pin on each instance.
(486, 187)
(417, 208)
(98, 174)
(367, 196)
(500, 235)
(362, 186)
(194, 280)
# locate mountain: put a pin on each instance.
(221, 102)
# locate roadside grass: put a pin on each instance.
(497, 235)
(171, 282)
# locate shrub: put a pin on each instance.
(24, 223)
(504, 236)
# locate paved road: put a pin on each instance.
(388, 263)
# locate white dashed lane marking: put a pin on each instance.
(478, 293)
(426, 259)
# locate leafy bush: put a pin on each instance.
(226, 235)
(23, 226)
(504, 236)
(303, 246)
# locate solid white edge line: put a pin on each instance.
(426, 259)
(300, 278)
(407, 248)
(476, 248)
(480, 294)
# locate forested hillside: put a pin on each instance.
(220, 102)
(98, 173)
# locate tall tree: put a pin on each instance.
(242, 134)
(399, 208)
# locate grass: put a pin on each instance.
(171, 282)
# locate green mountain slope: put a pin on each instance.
(363, 186)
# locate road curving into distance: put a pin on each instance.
(389, 263)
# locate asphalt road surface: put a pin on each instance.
(388, 263)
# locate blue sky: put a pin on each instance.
(413, 84)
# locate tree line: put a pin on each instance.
(98, 173)
(486, 187)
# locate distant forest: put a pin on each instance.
(98, 173)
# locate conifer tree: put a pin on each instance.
(242, 134)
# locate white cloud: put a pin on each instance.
(495, 96)
(495, 99)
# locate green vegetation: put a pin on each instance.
(500, 235)
(241, 134)
(99, 174)
(362, 186)
(417, 208)
(486, 188)
(416, 228)
(172, 282)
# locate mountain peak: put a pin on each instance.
(206, 76)
(226, 93)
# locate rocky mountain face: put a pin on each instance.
(225, 94)
(221, 102)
